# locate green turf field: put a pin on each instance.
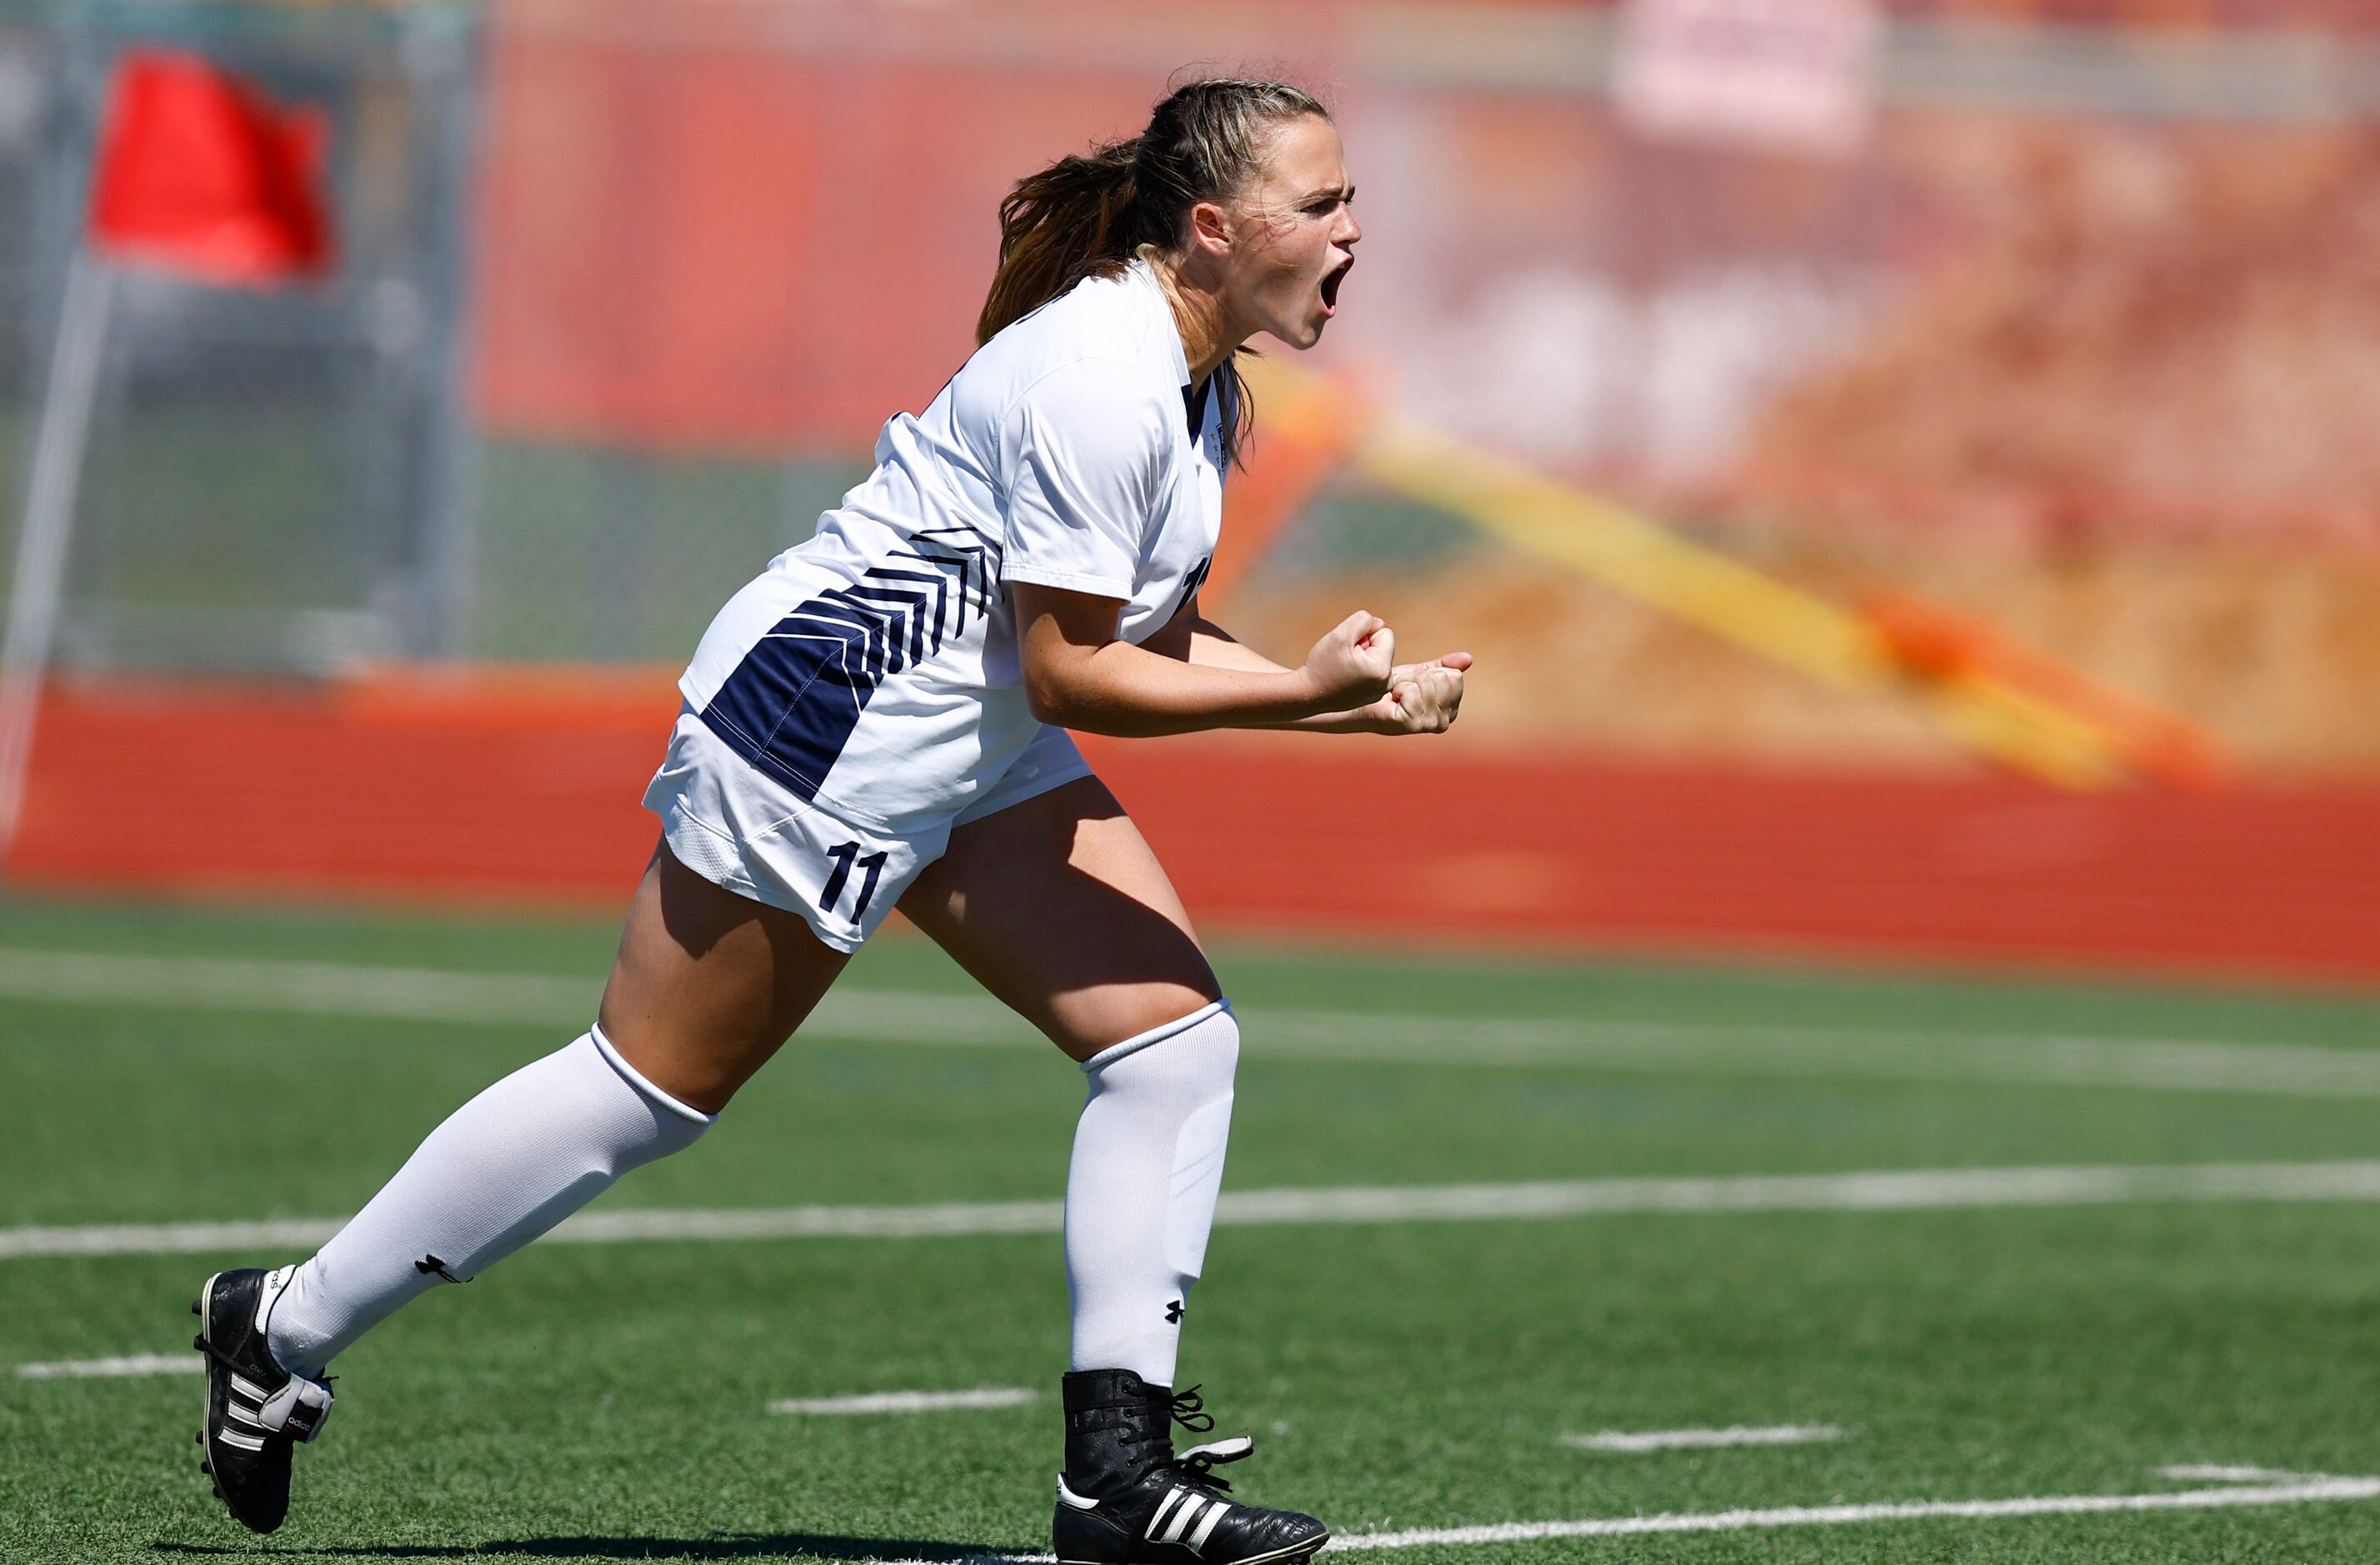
(612, 1401)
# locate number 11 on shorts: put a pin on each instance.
(844, 855)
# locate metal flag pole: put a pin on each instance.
(43, 540)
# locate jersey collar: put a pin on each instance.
(1147, 274)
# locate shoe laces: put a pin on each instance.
(1190, 1411)
(1197, 1463)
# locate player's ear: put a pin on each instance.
(1211, 229)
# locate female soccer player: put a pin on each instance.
(880, 718)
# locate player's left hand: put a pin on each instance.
(1422, 697)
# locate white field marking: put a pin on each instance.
(133, 1364)
(526, 1000)
(1905, 1190)
(1689, 1440)
(2298, 1490)
(318, 988)
(909, 1401)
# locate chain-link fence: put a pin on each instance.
(274, 477)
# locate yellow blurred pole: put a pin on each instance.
(1772, 618)
(1623, 551)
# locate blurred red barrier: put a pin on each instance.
(406, 790)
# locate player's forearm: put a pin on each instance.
(1213, 646)
(1129, 692)
(1350, 722)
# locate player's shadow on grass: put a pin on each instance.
(719, 1546)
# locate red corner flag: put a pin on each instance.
(201, 174)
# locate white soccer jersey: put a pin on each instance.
(873, 670)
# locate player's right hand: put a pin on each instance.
(1350, 665)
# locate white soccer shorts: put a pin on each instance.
(741, 829)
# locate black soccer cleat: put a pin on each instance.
(1125, 1498)
(256, 1410)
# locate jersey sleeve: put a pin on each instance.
(1084, 452)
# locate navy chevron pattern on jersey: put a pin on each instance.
(790, 706)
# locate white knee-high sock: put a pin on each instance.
(504, 1168)
(1141, 1190)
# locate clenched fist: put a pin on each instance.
(1354, 661)
(1421, 699)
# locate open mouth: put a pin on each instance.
(1331, 285)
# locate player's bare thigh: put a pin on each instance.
(1059, 907)
(1056, 906)
(708, 985)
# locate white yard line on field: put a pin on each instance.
(2291, 1490)
(316, 989)
(2306, 1490)
(131, 1364)
(1901, 1190)
(1694, 1440)
(526, 1000)
(909, 1401)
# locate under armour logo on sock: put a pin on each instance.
(1173, 1313)
(430, 1265)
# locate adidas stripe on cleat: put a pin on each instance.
(1125, 1497)
(256, 1411)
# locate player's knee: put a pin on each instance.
(676, 1121)
(1203, 1040)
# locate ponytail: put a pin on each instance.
(1071, 221)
